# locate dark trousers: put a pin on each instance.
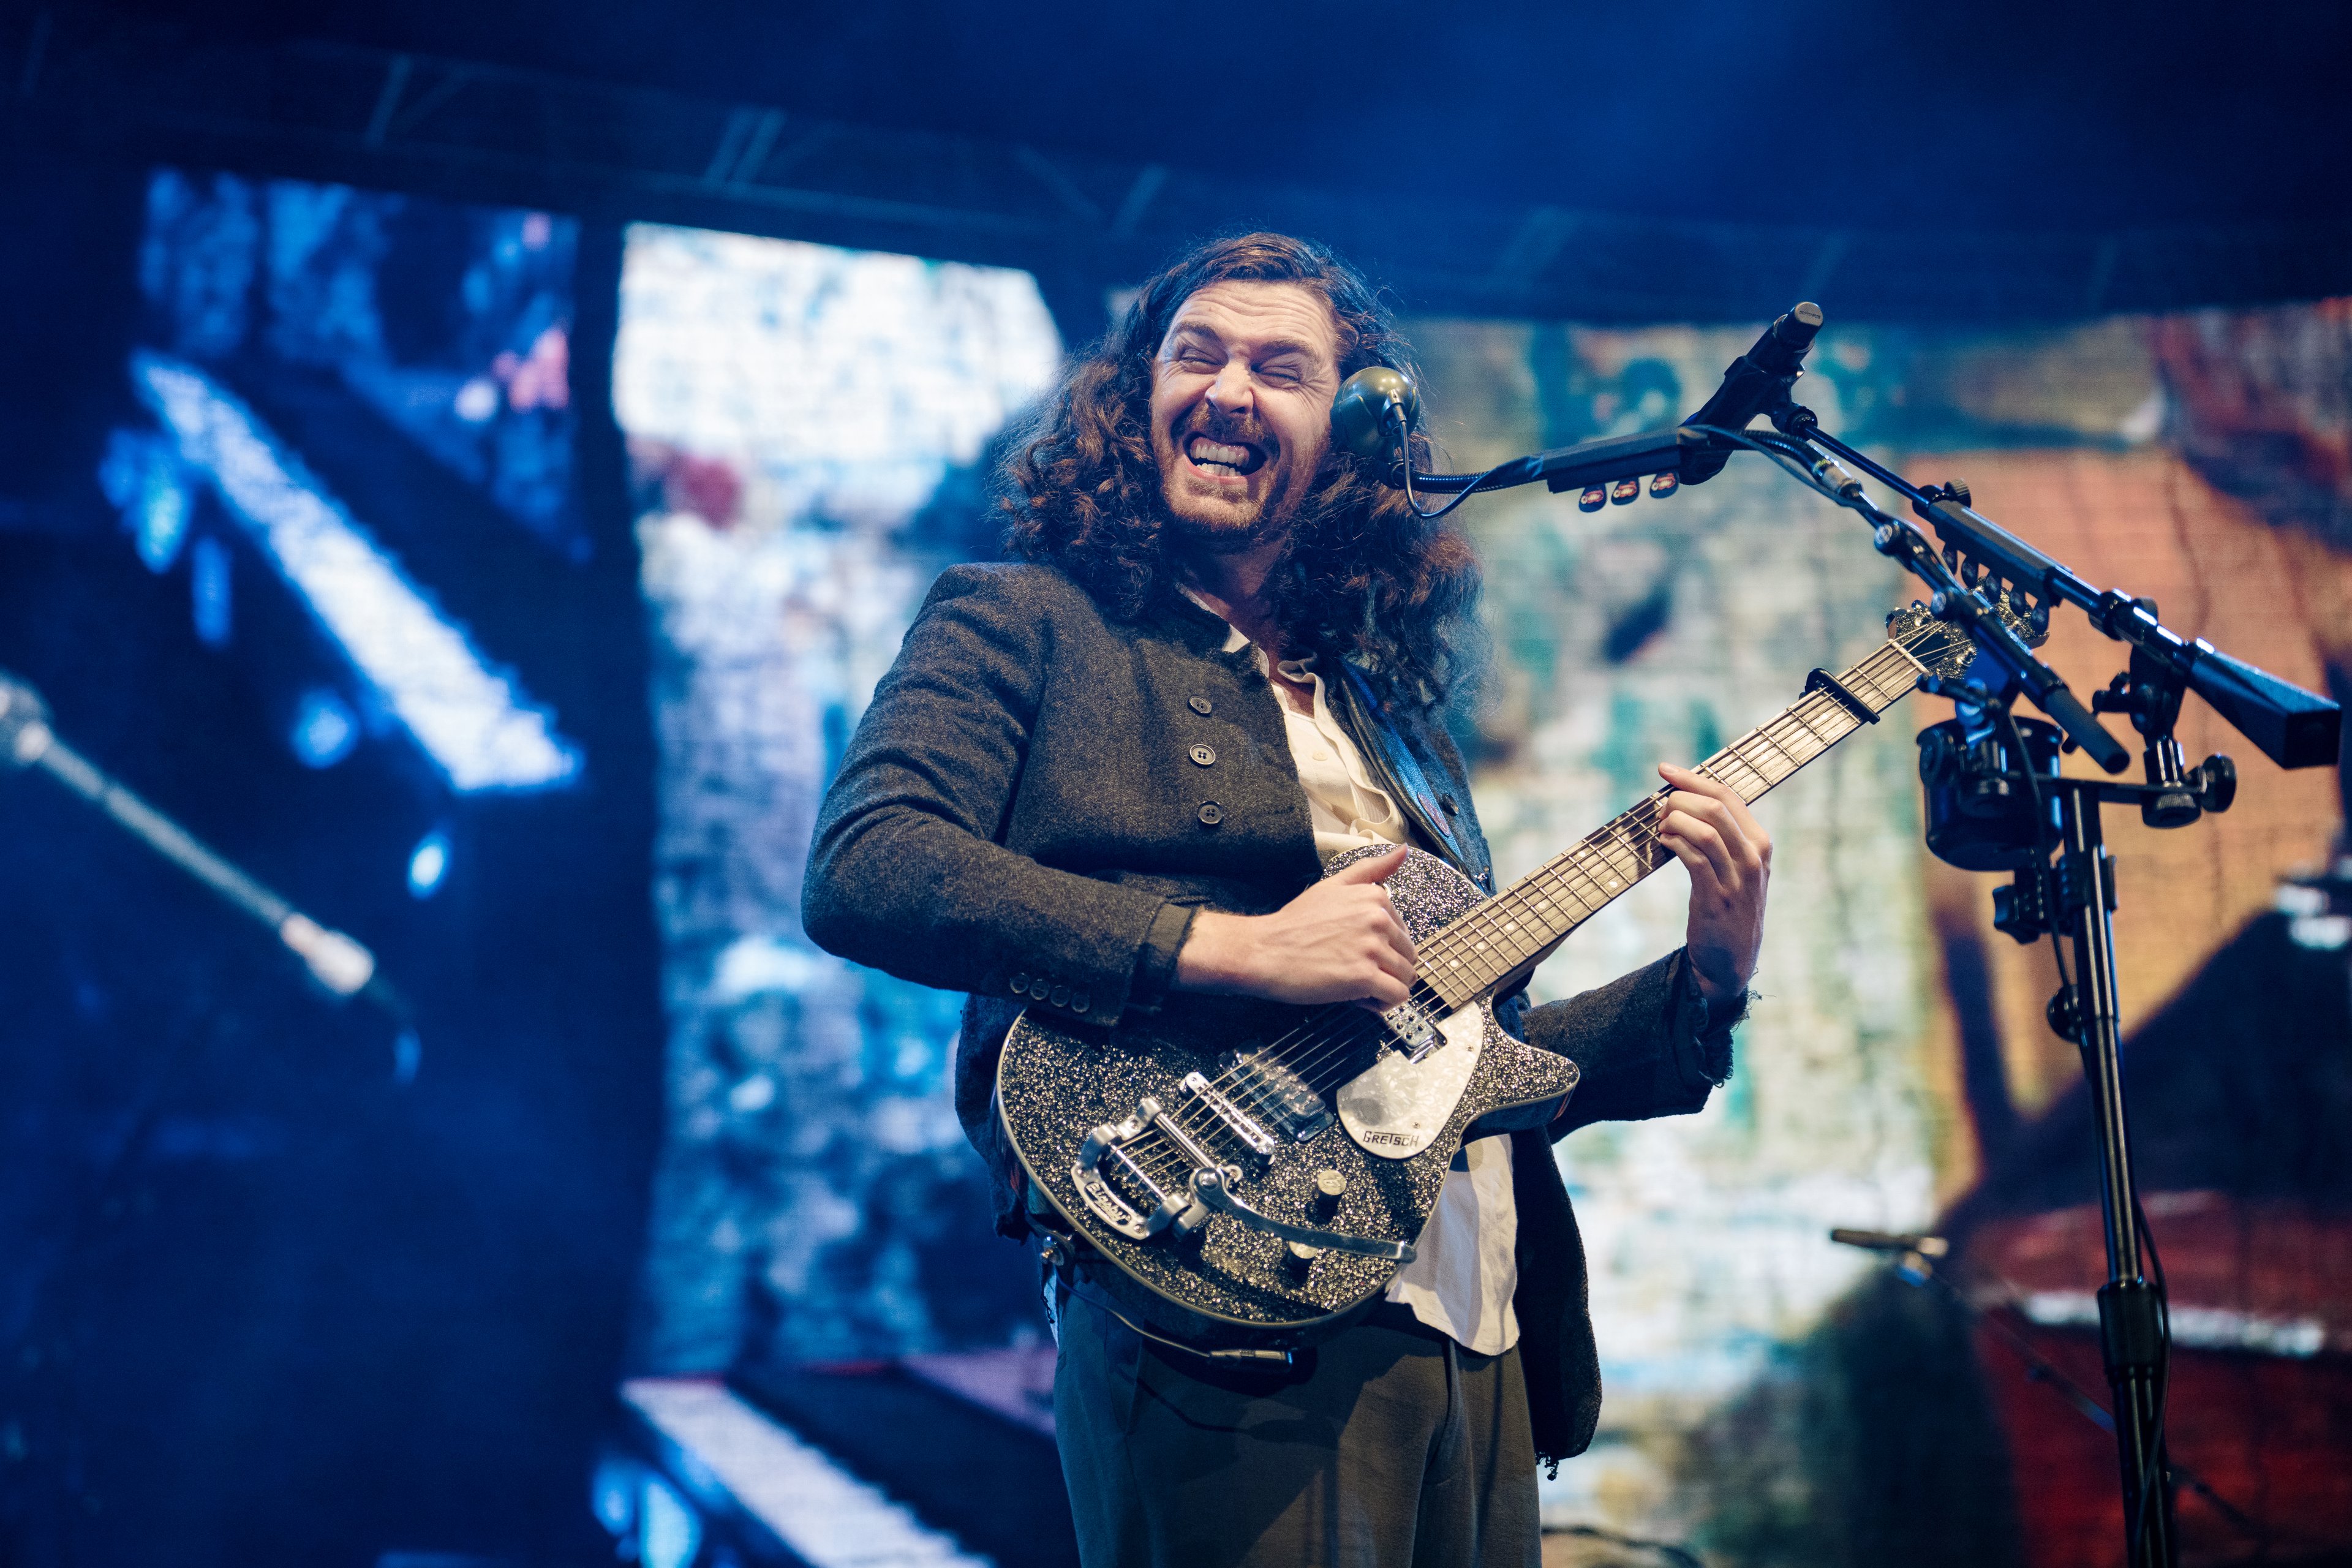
(1388, 1447)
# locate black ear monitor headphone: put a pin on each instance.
(1376, 409)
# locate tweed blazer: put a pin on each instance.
(1042, 794)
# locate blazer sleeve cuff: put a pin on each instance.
(1155, 964)
(1700, 1030)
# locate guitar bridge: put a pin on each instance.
(1161, 1209)
(1414, 1031)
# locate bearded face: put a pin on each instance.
(1240, 408)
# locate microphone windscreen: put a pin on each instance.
(1363, 416)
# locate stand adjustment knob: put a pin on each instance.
(2217, 782)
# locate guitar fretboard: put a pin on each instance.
(1471, 957)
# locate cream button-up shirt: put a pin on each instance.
(1463, 1270)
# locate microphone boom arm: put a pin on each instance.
(2293, 728)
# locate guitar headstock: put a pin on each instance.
(1944, 650)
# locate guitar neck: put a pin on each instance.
(1470, 957)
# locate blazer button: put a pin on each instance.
(1080, 1000)
(1211, 814)
(1200, 705)
(1020, 985)
(1205, 755)
(1039, 989)
(1061, 995)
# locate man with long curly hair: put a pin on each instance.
(1104, 778)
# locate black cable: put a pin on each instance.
(1786, 451)
(2152, 1476)
(1404, 456)
(2043, 848)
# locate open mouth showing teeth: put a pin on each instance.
(1215, 458)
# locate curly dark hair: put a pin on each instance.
(1362, 576)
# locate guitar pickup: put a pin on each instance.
(1252, 1137)
(1281, 1099)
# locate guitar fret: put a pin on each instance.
(1763, 779)
(1631, 869)
(1770, 738)
(1797, 711)
(1470, 957)
(1835, 716)
(1716, 767)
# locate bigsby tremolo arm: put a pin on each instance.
(1209, 1186)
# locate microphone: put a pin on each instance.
(335, 961)
(1369, 407)
(1880, 1241)
(1377, 407)
(1752, 383)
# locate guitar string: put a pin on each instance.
(1354, 1032)
(1486, 922)
(1356, 1027)
(1363, 1027)
(1343, 1030)
(1359, 1027)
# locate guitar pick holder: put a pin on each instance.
(1997, 800)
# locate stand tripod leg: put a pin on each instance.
(2131, 1307)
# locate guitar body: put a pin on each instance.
(1390, 1134)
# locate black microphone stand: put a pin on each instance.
(2078, 894)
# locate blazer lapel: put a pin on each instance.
(1400, 772)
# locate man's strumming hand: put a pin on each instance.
(1340, 941)
(1729, 858)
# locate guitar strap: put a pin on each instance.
(1399, 773)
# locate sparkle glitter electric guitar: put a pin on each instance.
(1255, 1172)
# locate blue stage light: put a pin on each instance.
(143, 478)
(669, 1531)
(428, 863)
(326, 731)
(208, 591)
(478, 725)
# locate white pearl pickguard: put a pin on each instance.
(1397, 1109)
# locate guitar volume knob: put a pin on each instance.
(1330, 1186)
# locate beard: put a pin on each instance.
(1225, 527)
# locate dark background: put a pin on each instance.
(264, 1301)
(247, 1270)
(1997, 115)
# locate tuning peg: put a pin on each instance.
(1592, 500)
(1665, 484)
(1624, 492)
